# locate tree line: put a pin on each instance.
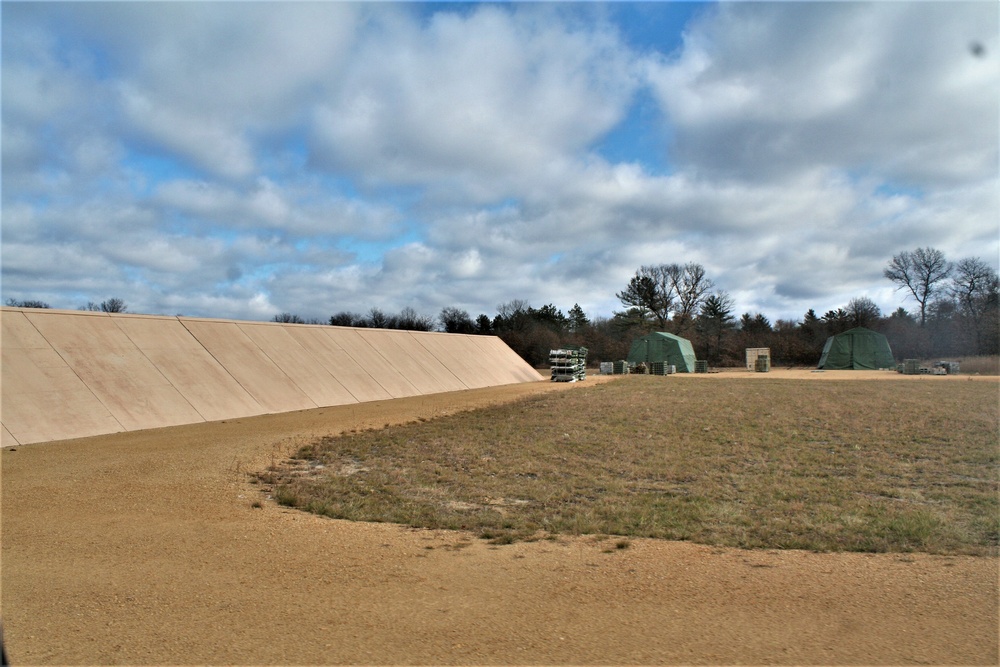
(112, 305)
(957, 314)
(957, 308)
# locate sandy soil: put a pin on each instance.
(144, 548)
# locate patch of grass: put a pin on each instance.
(982, 365)
(755, 463)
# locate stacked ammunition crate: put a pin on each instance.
(755, 353)
(762, 364)
(569, 363)
(661, 368)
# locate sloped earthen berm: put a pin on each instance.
(69, 374)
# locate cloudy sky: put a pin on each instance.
(244, 159)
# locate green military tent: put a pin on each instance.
(856, 349)
(663, 347)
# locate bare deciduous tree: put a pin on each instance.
(287, 318)
(410, 320)
(112, 305)
(345, 319)
(975, 286)
(920, 272)
(863, 312)
(668, 291)
(691, 287)
(27, 303)
(378, 319)
(456, 320)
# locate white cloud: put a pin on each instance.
(224, 159)
(203, 80)
(764, 89)
(293, 209)
(36, 86)
(210, 142)
(480, 102)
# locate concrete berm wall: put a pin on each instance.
(72, 374)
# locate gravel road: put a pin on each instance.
(146, 548)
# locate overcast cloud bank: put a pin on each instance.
(240, 160)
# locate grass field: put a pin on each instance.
(754, 463)
(985, 365)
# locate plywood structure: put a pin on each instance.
(69, 374)
(754, 353)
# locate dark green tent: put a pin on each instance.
(663, 347)
(856, 349)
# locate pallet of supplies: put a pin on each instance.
(569, 363)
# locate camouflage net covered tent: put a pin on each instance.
(856, 349)
(662, 347)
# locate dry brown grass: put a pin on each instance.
(852, 465)
(984, 365)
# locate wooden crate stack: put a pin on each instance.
(569, 363)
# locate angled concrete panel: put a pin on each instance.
(366, 356)
(510, 367)
(464, 359)
(17, 333)
(249, 365)
(70, 374)
(41, 398)
(131, 388)
(412, 360)
(189, 368)
(297, 362)
(56, 415)
(6, 439)
(321, 343)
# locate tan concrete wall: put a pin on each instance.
(38, 388)
(68, 374)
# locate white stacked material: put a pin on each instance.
(949, 367)
(569, 364)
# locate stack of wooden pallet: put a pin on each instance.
(569, 363)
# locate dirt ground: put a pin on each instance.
(145, 548)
